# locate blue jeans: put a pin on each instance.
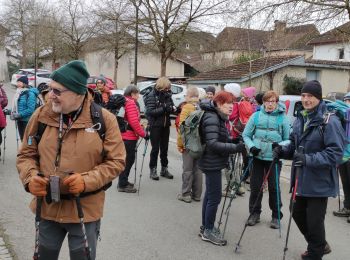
(212, 198)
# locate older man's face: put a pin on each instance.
(63, 100)
(309, 101)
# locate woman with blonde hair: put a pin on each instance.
(159, 105)
(191, 176)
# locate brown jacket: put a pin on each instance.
(81, 153)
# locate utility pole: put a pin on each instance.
(137, 4)
(35, 53)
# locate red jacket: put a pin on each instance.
(132, 116)
(3, 104)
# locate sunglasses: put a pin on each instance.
(57, 92)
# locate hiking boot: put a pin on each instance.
(153, 175)
(327, 250)
(344, 212)
(127, 189)
(186, 199)
(253, 219)
(348, 220)
(196, 199)
(165, 173)
(274, 223)
(212, 236)
(131, 184)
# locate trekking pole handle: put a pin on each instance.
(39, 202)
(300, 149)
(79, 207)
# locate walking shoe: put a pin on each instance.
(153, 175)
(131, 184)
(186, 199)
(201, 230)
(253, 219)
(196, 199)
(344, 212)
(165, 173)
(274, 223)
(327, 250)
(210, 235)
(127, 189)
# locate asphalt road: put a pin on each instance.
(155, 225)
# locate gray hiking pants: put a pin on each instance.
(52, 234)
(192, 177)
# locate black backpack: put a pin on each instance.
(116, 105)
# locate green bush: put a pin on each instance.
(247, 57)
(292, 85)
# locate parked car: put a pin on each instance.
(42, 76)
(92, 82)
(179, 93)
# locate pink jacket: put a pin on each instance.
(3, 104)
(132, 116)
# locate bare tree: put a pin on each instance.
(113, 29)
(77, 26)
(19, 17)
(166, 21)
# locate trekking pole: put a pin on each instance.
(143, 159)
(227, 189)
(338, 189)
(233, 194)
(255, 203)
(81, 219)
(135, 164)
(298, 171)
(39, 202)
(4, 147)
(278, 199)
(17, 138)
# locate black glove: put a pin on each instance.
(168, 108)
(255, 151)
(240, 147)
(6, 111)
(236, 140)
(276, 150)
(299, 159)
(146, 136)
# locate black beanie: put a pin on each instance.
(314, 88)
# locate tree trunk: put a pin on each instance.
(163, 60)
(116, 64)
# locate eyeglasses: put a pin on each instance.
(57, 92)
(99, 82)
(270, 101)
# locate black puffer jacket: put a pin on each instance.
(155, 103)
(216, 137)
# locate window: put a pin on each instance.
(341, 54)
(146, 90)
(175, 89)
(187, 46)
(312, 75)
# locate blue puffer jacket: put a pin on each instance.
(26, 103)
(265, 128)
(323, 145)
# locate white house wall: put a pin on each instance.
(148, 65)
(331, 52)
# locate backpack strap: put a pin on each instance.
(97, 118)
(40, 132)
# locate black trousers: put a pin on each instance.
(1, 128)
(130, 147)
(21, 125)
(260, 168)
(159, 137)
(309, 214)
(344, 171)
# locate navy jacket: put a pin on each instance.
(215, 135)
(323, 145)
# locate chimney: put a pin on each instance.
(280, 26)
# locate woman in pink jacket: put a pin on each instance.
(133, 131)
(3, 104)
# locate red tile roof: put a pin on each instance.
(336, 35)
(238, 71)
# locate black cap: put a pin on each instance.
(314, 88)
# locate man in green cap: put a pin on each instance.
(67, 162)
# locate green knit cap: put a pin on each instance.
(73, 76)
